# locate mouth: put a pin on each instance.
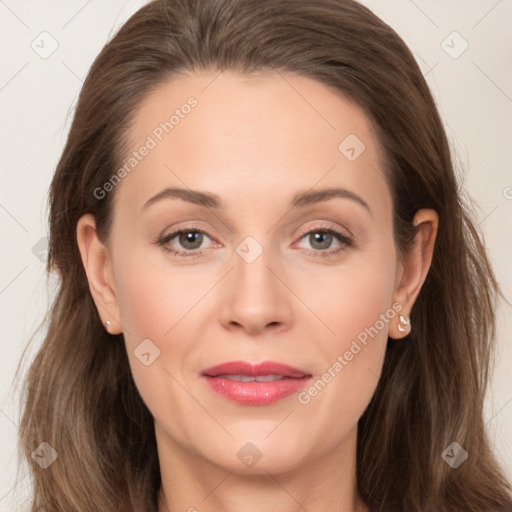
(259, 384)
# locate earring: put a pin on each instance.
(107, 324)
(405, 324)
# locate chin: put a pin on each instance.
(257, 455)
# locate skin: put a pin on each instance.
(255, 142)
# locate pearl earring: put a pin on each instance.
(405, 324)
(107, 324)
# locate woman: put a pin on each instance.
(271, 293)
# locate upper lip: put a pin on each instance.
(254, 370)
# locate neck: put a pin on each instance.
(193, 484)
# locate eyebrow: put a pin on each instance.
(213, 201)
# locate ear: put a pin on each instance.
(97, 263)
(414, 266)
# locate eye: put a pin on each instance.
(322, 239)
(190, 239)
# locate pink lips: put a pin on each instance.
(259, 384)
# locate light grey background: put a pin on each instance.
(38, 92)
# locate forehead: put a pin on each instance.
(235, 133)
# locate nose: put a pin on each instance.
(256, 298)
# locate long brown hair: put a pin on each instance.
(79, 395)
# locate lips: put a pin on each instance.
(254, 370)
(259, 384)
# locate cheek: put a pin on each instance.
(153, 313)
(351, 300)
(357, 308)
(163, 305)
(365, 297)
(153, 300)
(150, 305)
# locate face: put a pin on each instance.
(267, 269)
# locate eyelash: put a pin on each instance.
(345, 240)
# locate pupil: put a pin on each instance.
(322, 237)
(188, 238)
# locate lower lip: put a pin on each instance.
(256, 393)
